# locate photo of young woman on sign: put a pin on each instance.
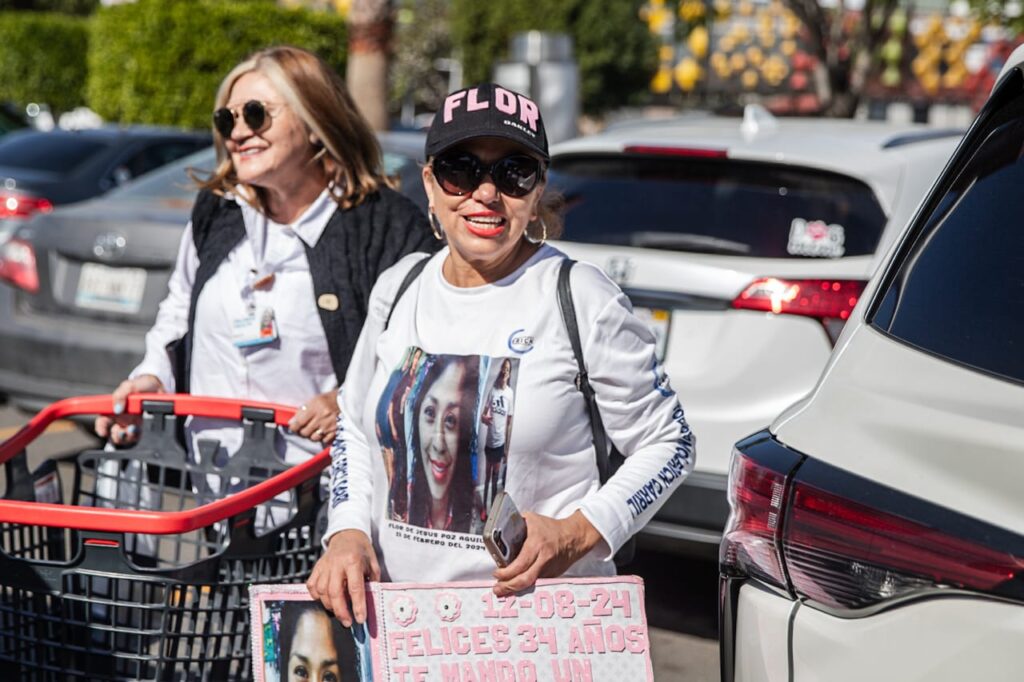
(302, 642)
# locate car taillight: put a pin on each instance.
(847, 543)
(830, 301)
(22, 205)
(757, 495)
(18, 265)
(848, 555)
(690, 152)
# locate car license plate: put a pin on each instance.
(116, 290)
(658, 320)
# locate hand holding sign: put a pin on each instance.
(557, 631)
(551, 547)
(339, 577)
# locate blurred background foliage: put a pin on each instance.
(616, 53)
(421, 61)
(162, 60)
(43, 58)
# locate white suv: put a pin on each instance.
(877, 527)
(747, 244)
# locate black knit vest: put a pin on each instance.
(355, 246)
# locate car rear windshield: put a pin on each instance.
(46, 152)
(716, 206)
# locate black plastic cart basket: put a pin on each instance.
(143, 573)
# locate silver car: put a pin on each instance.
(83, 283)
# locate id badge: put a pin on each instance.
(254, 330)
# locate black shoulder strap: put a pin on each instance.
(202, 216)
(410, 276)
(565, 304)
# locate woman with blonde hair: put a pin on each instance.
(288, 234)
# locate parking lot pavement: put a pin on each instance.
(683, 657)
(682, 612)
(681, 592)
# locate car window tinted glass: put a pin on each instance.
(47, 152)
(171, 184)
(171, 181)
(10, 119)
(153, 156)
(716, 206)
(959, 292)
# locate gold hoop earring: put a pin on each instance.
(543, 233)
(435, 226)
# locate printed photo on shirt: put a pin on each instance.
(444, 423)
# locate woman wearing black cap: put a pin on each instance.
(488, 302)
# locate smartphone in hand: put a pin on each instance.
(504, 531)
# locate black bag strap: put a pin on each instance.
(607, 464)
(568, 309)
(410, 277)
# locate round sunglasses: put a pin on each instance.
(254, 113)
(459, 173)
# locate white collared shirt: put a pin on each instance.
(291, 370)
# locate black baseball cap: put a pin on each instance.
(487, 110)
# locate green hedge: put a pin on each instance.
(160, 61)
(42, 59)
(615, 51)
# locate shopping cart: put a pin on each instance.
(143, 573)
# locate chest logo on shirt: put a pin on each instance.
(520, 342)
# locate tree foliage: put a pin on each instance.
(50, 71)
(616, 53)
(161, 61)
(847, 47)
(421, 39)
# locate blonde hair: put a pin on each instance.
(350, 157)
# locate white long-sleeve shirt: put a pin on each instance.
(292, 369)
(412, 404)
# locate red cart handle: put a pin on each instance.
(153, 522)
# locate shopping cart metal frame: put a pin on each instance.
(80, 600)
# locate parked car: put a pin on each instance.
(85, 280)
(746, 244)
(877, 526)
(11, 118)
(40, 170)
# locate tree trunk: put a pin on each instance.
(846, 55)
(369, 43)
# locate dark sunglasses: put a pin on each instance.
(254, 113)
(460, 173)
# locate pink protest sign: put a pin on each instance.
(565, 630)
